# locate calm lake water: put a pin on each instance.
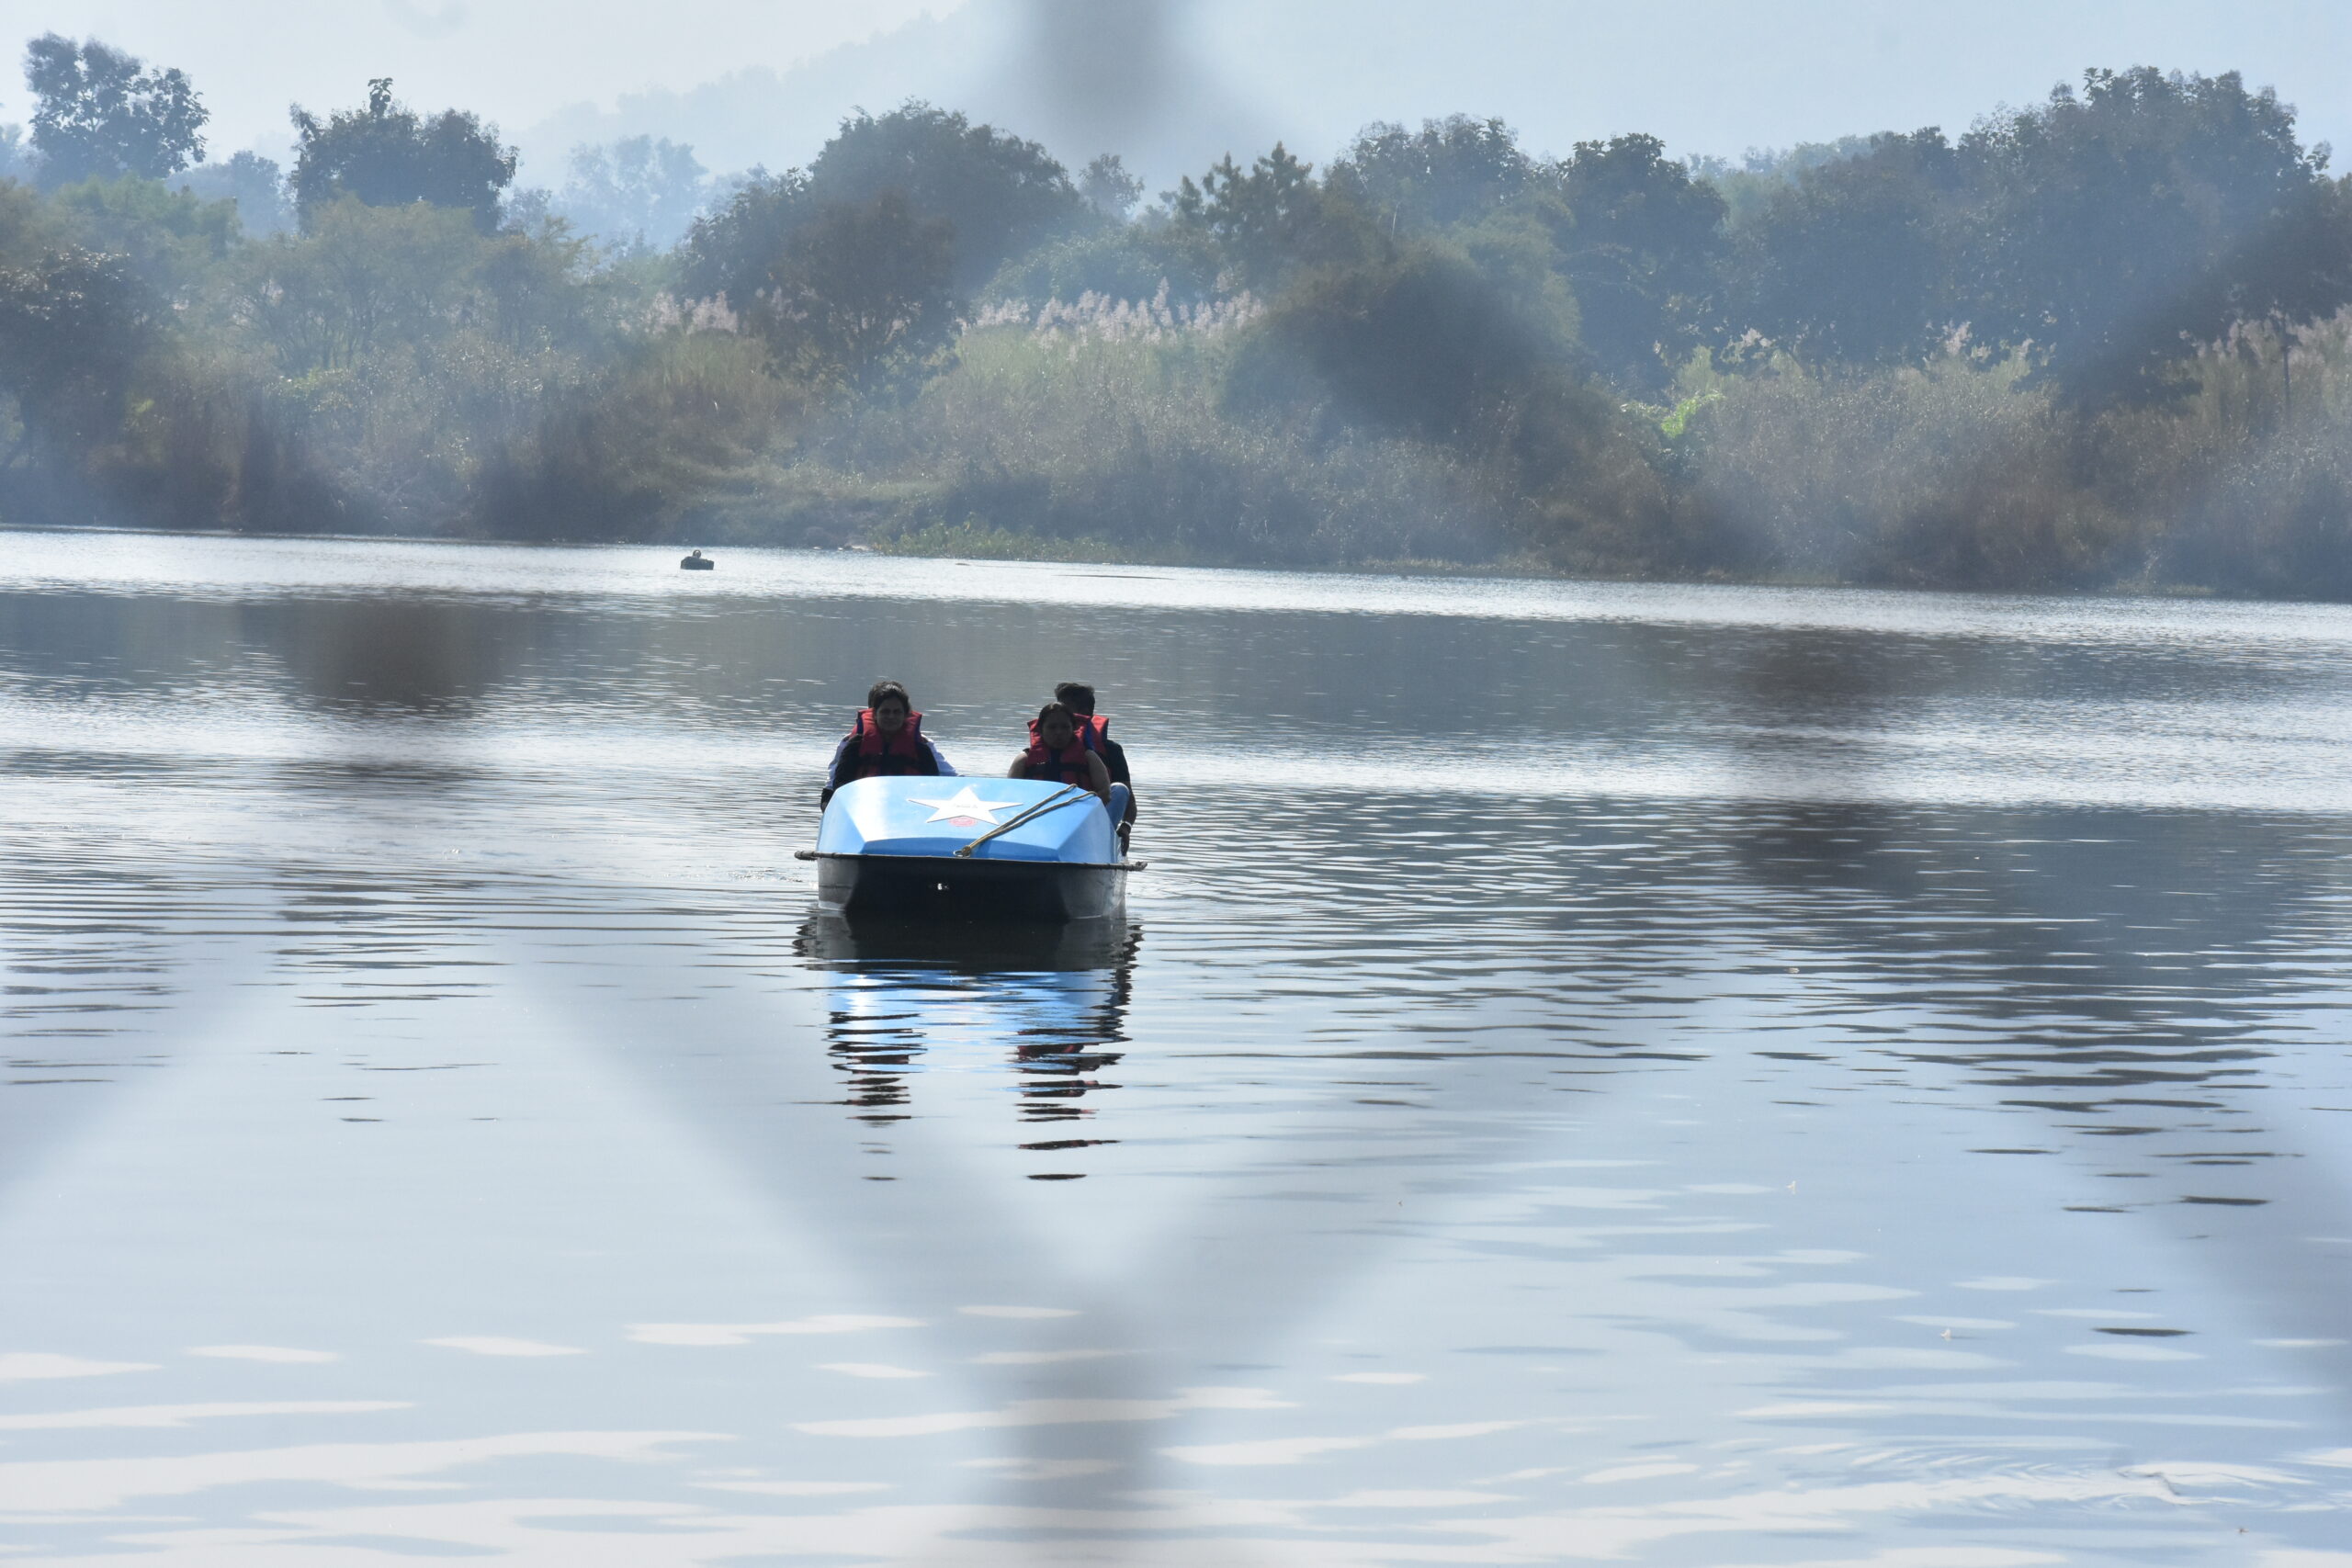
(1679, 1076)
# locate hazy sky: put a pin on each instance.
(514, 60)
(1175, 82)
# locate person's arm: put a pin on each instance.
(1020, 769)
(1114, 756)
(1098, 778)
(940, 764)
(833, 773)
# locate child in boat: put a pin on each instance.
(1094, 731)
(887, 740)
(1058, 756)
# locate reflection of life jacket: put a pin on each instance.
(1093, 729)
(876, 754)
(1066, 766)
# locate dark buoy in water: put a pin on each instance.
(698, 562)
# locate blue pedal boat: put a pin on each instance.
(969, 848)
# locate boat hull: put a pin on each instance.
(968, 947)
(946, 887)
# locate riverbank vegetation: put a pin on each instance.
(2100, 342)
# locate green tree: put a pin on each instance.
(999, 195)
(2110, 226)
(637, 192)
(17, 159)
(1762, 171)
(1516, 251)
(732, 252)
(73, 325)
(173, 241)
(1852, 259)
(1452, 170)
(541, 292)
(862, 295)
(1108, 188)
(1271, 220)
(255, 183)
(1643, 256)
(1117, 261)
(100, 113)
(362, 281)
(386, 156)
(1467, 181)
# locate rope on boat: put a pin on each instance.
(1052, 802)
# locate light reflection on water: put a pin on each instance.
(1697, 1075)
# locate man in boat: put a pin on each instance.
(886, 741)
(1056, 755)
(1094, 733)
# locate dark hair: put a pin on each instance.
(1076, 695)
(882, 691)
(1052, 708)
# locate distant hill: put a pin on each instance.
(1135, 87)
(1171, 84)
(759, 114)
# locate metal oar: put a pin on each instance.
(1068, 793)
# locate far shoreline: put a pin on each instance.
(1432, 569)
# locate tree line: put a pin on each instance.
(2099, 340)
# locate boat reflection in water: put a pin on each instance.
(905, 997)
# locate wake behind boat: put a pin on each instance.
(969, 848)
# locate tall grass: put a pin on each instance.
(662, 438)
(1961, 473)
(2256, 468)
(1950, 474)
(1102, 427)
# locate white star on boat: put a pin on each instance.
(964, 807)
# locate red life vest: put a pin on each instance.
(1066, 766)
(876, 754)
(1093, 729)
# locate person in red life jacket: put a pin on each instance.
(886, 741)
(1058, 756)
(1094, 733)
